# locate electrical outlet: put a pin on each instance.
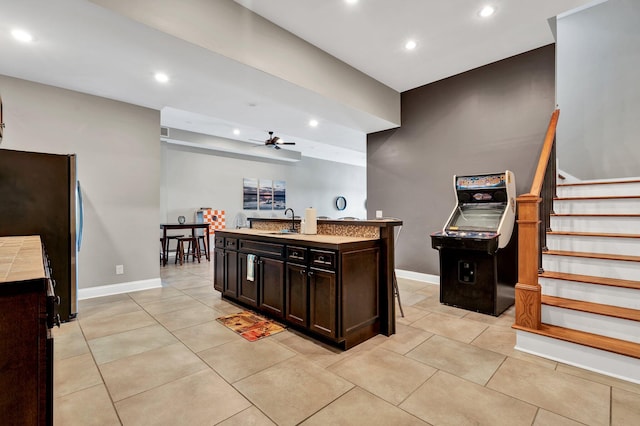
(378, 214)
(119, 269)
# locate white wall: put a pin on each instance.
(194, 178)
(598, 58)
(118, 161)
(229, 29)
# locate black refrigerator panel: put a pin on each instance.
(37, 197)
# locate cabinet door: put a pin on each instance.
(322, 302)
(231, 274)
(218, 271)
(271, 276)
(297, 310)
(247, 290)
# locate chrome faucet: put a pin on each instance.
(293, 223)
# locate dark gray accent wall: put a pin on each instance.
(486, 120)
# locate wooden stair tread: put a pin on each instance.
(623, 257)
(614, 282)
(598, 197)
(595, 214)
(593, 234)
(618, 346)
(591, 307)
(609, 182)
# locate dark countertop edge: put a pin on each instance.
(301, 243)
(369, 222)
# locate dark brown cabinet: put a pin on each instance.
(225, 274)
(219, 267)
(248, 288)
(331, 293)
(297, 311)
(271, 279)
(322, 302)
(230, 283)
(27, 312)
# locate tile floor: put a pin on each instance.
(160, 357)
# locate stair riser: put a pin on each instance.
(617, 206)
(594, 267)
(591, 323)
(603, 362)
(625, 246)
(613, 189)
(610, 225)
(603, 294)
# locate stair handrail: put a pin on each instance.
(532, 207)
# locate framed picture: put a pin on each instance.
(250, 194)
(279, 194)
(265, 194)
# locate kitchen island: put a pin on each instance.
(336, 286)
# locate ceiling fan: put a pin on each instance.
(275, 141)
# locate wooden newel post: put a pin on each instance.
(527, 289)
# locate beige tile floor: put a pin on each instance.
(159, 357)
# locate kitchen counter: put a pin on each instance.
(324, 240)
(20, 258)
(336, 285)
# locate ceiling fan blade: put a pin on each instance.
(286, 143)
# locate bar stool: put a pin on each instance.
(166, 247)
(193, 249)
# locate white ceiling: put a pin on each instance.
(81, 46)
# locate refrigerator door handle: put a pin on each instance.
(80, 216)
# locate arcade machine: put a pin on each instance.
(478, 266)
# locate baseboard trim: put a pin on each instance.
(107, 290)
(418, 276)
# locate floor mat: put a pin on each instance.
(251, 326)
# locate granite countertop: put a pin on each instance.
(21, 258)
(325, 239)
(363, 222)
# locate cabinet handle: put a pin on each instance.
(320, 258)
(310, 273)
(302, 271)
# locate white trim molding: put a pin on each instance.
(418, 276)
(596, 360)
(107, 290)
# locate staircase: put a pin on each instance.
(590, 287)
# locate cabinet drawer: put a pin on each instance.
(323, 259)
(297, 254)
(259, 247)
(231, 243)
(219, 242)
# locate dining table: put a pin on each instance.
(187, 226)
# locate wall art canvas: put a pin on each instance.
(279, 194)
(250, 194)
(265, 194)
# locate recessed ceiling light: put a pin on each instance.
(487, 11)
(410, 45)
(161, 77)
(351, 1)
(313, 123)
(22, 35)
(236, 131)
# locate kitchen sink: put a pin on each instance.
(282, 231)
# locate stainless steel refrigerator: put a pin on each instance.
(40, 195)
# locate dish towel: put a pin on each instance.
(251, 258)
